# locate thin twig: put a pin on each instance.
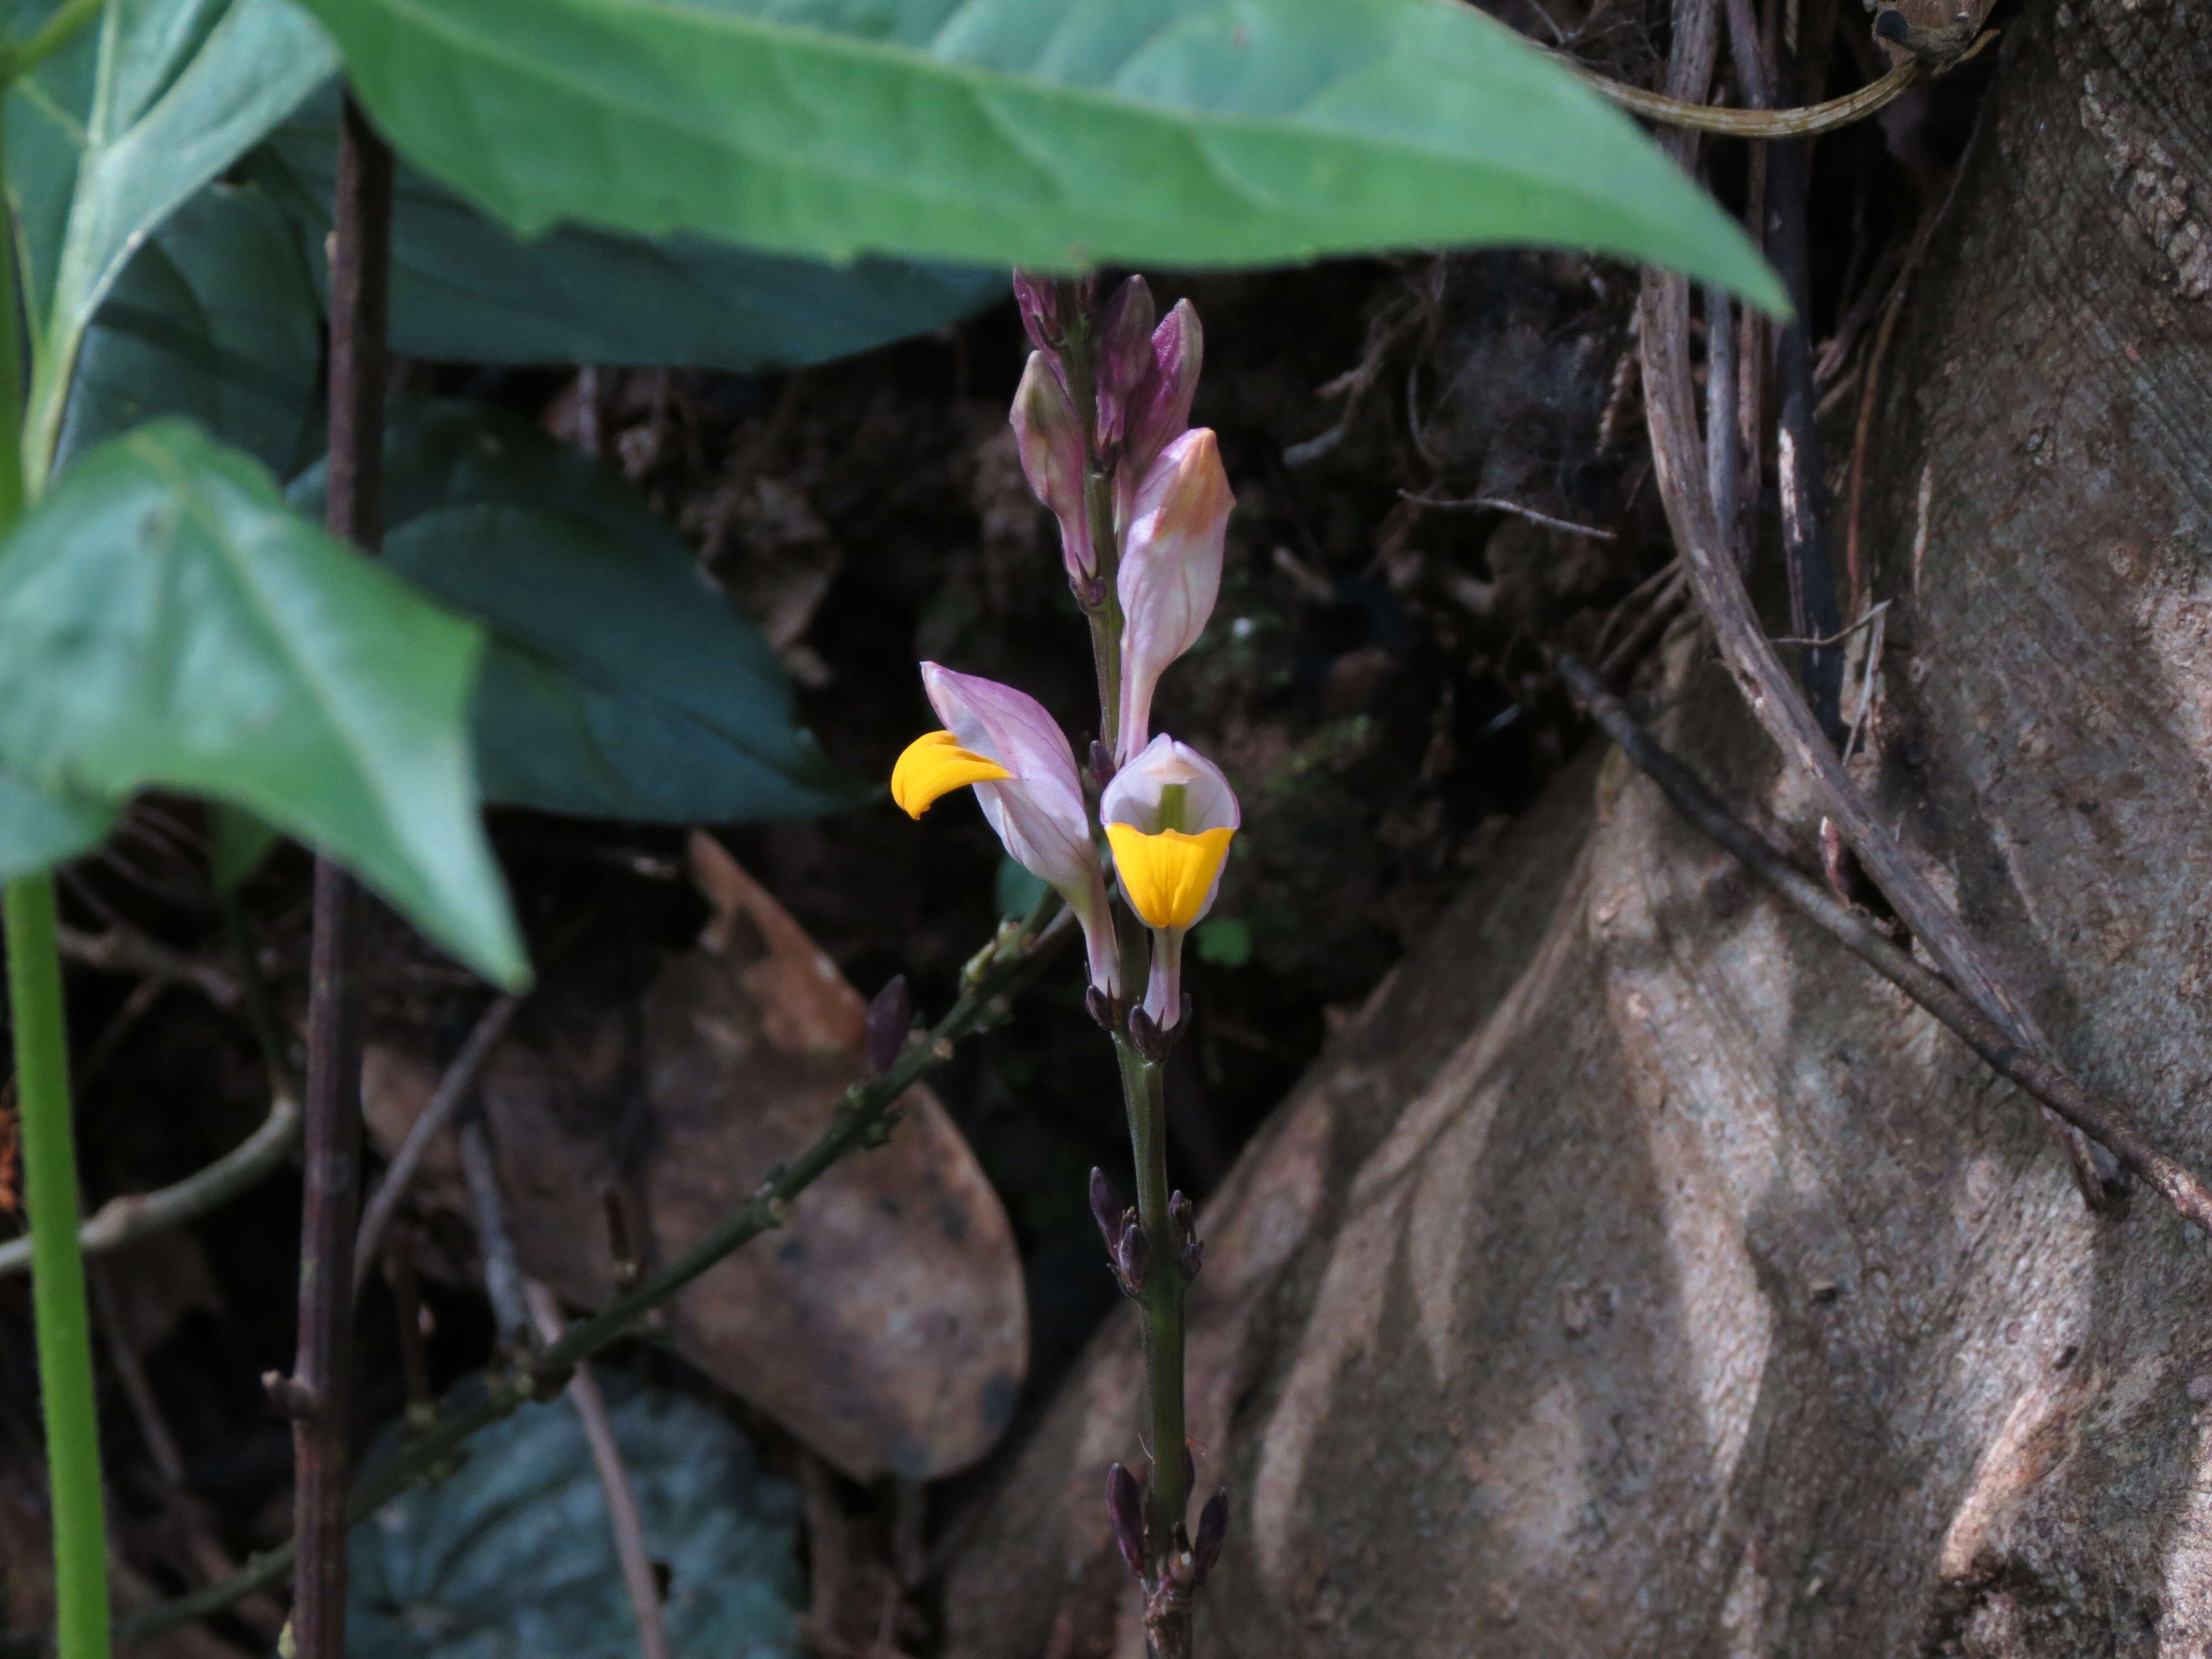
(131, 1370)
(1862, 428)
(623, 1518)
(503, 1279)
(1806, 123)
(321, 1377)
(1841, 634)
(2039, 1077)
(452, 1089)
(1499, 504)
(120, 1220)
(998, 974)
(119, 951)
(1774, 697)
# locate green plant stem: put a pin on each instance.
(1168, 1494)
(1000, 971)
(64, 1329)
(62, 1321)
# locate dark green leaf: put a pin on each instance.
(464, 289)
(619, 683)
(511, 1559)
(215, 319)
(165, 621)
(99, 158)
(1037, 132)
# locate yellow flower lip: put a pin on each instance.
(1168, 877)
(935, 764)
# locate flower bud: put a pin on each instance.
(1133, 1256)
(1107, 1210)
(1212, 1534)
(1158, 410)
(1171, 571)
(1125, 356)
(1124, 1512)
(1049, 436)
(888, 1017)
(1042, 302)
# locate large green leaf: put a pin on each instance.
(119, 130)
(1038, 132)
(165, 621)
(39, 830)
(619, 683)
(215, 319)
(512, 1557)
(465, 288)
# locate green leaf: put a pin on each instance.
(1036, 133)
(512, 1555)
(39, 830)
(237, 843)
(464, 289)
(118, 130)
(619, 683)
(215, 319)
(166, 622)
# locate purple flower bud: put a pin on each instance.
(1158, 407)
(1124, 355)
(1125, 1511)
(1049, 436)
(1212, 1534)
(1132, 1256)
(888, 1017)
(1038, 298)
(1101, 764)
(1189, 1253)
(1106, 1208)
(1051, 305)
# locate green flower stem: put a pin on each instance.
(62, 1323)
(65, 1331)
(1167, 1494)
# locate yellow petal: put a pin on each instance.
(936, 765)
(1167, 876)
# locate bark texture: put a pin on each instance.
(1639, 1274)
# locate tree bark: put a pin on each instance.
(1640, 1275)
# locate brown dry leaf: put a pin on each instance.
(885, 1325)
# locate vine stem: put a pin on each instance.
(321, 1390)
(63, 1327)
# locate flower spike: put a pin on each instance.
(1170, 816)
(1171, 571)
(1002, 744)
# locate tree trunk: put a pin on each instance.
(1641, 1275)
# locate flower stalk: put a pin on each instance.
(1102, 422)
